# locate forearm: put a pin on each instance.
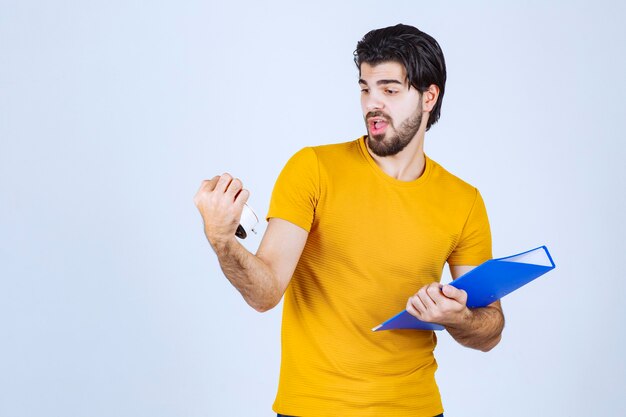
(262, 278)
(480, 328)
(250, 275)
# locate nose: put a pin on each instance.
(372, 102)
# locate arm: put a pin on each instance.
(262, 278)
(476, 328)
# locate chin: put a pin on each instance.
(377, 138)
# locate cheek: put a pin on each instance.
(406, 111)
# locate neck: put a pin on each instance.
(406, 165)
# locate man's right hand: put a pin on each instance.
(220, 201)
(262, 278)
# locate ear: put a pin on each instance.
(429, 98)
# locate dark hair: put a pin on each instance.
(417, 51)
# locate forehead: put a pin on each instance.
(388, 70)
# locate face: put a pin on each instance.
(392, 111)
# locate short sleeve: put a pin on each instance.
(474, 244)
(296, 191)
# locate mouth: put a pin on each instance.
(377, 125)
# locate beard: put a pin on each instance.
(382, 145)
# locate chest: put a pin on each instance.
(405, 232)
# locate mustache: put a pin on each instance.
(377, 113)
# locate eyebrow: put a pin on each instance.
(381, 82)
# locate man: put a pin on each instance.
(354, 229)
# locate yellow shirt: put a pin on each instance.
(373, 242)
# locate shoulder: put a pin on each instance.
(326, 156)
(451, 185)
(311, 160)
(335, 151)
(327, 150)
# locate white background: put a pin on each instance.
(112, 112)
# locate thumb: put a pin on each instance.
(454, 293)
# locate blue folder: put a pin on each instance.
(485, 284)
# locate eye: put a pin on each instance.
(390, 91)
(364, 91)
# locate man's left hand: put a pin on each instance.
(445, 305)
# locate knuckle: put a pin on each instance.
(430, 290)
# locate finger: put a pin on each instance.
(417, 303)
(410, 308)
(242, 197)
(234, 188)
(210, 184)
(423, 295)
(434, 292)
(206, 185)
(455, 293)
(223, 182)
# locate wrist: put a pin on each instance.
(219, 243)
(462, 319)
